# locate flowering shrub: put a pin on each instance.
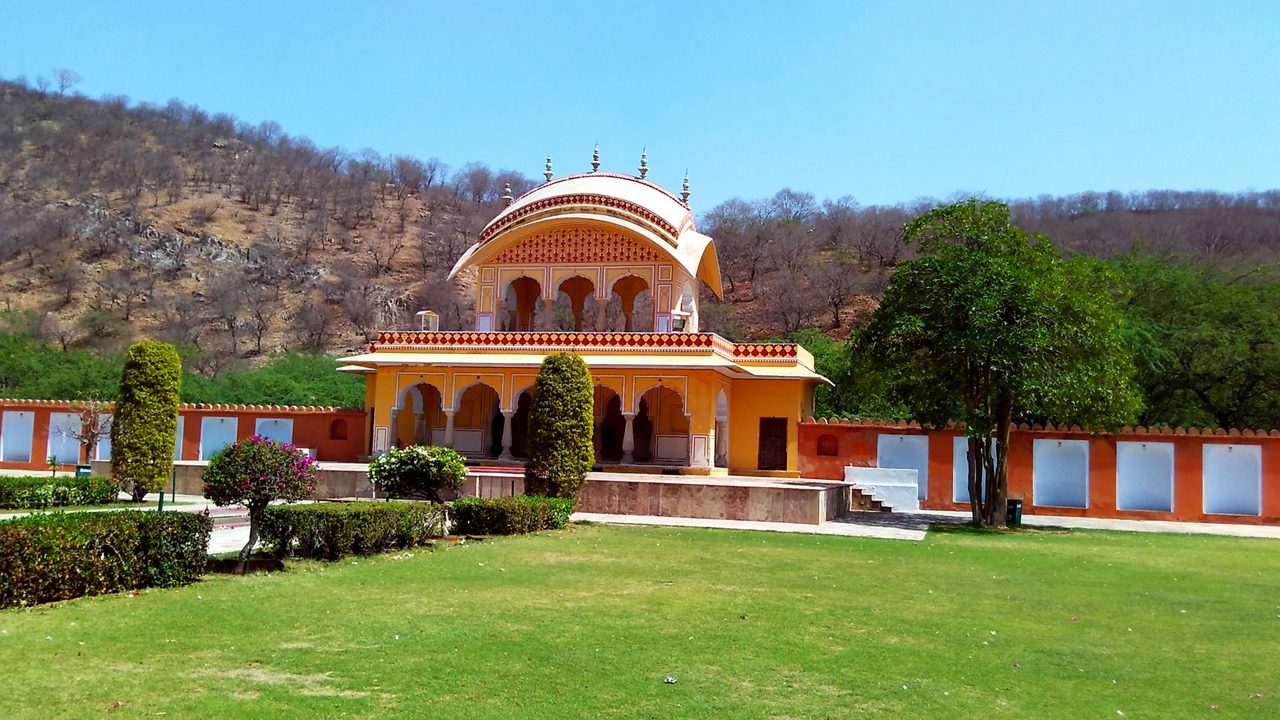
(254, 473)
(418, 471)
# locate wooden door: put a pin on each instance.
(773, 444)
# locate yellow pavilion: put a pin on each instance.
(607, 266)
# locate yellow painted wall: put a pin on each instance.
(754, 399)
(749, 400)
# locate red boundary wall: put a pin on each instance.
(854, 442)
(336, 434)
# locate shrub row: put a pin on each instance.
(509, 515)
(59, 556)
(33, 493)
(328, 531)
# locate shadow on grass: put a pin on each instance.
(968, 528)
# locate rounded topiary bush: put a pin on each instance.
(418, 471)
(561, 426)
(146, 418)
(254, 473)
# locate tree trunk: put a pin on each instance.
(975, 480)
(1000, 481)
(254, 518)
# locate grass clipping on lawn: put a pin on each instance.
(587, 622)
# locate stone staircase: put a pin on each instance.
(863, 501)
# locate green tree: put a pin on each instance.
(146, 417)
(989, 323)
(561, 425)
(1206, 343)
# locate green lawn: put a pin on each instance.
(586, 622)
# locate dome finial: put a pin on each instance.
(506, 195)
(644, 162)
(595, 158)
(547, 174)
(684, 192)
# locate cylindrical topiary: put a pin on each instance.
(256, 471)
(561, 425)
(146, 418)
(418, 471)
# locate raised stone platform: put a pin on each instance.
(729, 497)
(721, 498)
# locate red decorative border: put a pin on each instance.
(608, 201)
(1052, 428)
(399, 339)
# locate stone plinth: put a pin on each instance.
(723, 498)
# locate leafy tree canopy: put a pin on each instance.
(989, 323)
(1206, 343)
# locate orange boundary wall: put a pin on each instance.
(313, 427)
(856, 444)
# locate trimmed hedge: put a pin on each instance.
(509, 515)
(35, 492)
(329, 531)
(59, 556)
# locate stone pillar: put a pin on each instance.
(628, 439)
(602, 314)
(506, 435)
(448, 427)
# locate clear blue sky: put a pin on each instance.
(885, 101)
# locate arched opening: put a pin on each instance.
(520, 426)
(630, 307)
(520, 304)
(575, 292)
(661, 428)
(338, 429)
(610, 425)
(418, 416)
(473, 423)
(722, 430)
(828, 445)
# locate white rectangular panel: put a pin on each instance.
(1233, 479)
(907, 452)
(17, 428)
(215, 434)
(1144, 476)
(1060, 473)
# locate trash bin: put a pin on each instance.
(84, 470)
(1013, 514)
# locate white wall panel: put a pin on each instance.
(1060, 473)
(906, 452)
(278, 429)
(1233, 479)
(103, 449)
(64, 427)
(17, 428)
(215, 434)
(1144, 476)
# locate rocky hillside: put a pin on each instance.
(119, 220)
